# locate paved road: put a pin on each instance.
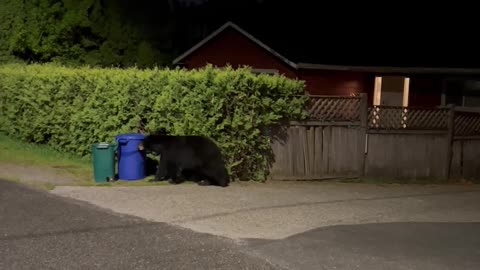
(319, 226)
(42, 231)
(395, 246)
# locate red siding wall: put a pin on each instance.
(325, 82)
(231, 47)
(234, 48)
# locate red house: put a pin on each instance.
(385, 85)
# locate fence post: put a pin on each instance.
(450, 136)
(362, 136)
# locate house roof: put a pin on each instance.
(300, 53)
(246, 34)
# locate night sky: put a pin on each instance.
(393, 33)
(322, 32)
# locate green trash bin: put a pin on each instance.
(104, 162)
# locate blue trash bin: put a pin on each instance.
(131, 162)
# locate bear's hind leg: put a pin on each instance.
(216, 176)
(176, 174)
(162, 171)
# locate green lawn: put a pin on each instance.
(42, 156)
(18, 152)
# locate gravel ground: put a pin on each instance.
(279, 210)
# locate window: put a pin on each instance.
(463, 93)
(264, 71)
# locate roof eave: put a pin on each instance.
(391, 69)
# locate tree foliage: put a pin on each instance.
(74, 32)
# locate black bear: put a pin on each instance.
(187, 157)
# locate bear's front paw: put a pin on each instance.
(204, 183)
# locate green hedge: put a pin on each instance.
(70, 109)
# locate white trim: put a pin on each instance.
(406, 91)
(201, 43)
(234, 26)
(377, 91)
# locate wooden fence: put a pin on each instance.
(327, 145)
(466, 145)
(345, 138)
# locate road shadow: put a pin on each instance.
(402, 245)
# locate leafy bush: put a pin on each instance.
(70, 109)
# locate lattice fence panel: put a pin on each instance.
(467, 124)
(334, 108)
(387, 117)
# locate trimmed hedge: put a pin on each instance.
(70, 109)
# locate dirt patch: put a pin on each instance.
(29, 173)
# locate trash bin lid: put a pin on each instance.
(130, 136)
(102, 145)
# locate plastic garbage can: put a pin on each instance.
(103, 155)
(131, 162)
